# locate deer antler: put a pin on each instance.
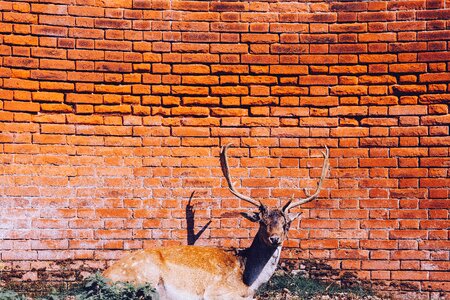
(226, 173)
(325, 168)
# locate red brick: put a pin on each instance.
(21, 106)
(86, 11)
(290, 132)
(57, 64)
(113, 67)
(348, 48)
(190, 111)
(20, 17)
(407, 47)
(288, 48)
(200, 37)
(48, 97)
(49, 30)
(433, 56)
(288, 90)
(21, 62)
(318, 80)
(318, 244)
(409, 275)
(288, 69)
(408, 110)
(435, 77)
(49, 75)
(229, 69)
(85, 77)
(348, 69)
(262, 59)
(20, 40)
(228, 91)
(377, 58)
(187, 90)
(85, 55)
(85, 98)
(20, 84)
(258, 100)
(113, 45)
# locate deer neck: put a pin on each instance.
(260, 263)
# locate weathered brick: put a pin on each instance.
(260, 59)
(349, 90)
(85, 98)
(20, 84)
(45, 30)
(48, 96)
(288, 90)
(200, 37)
(408, 110)
(21, 106)
(20, 17)
(22, 40)
(348, 48)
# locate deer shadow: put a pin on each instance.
(192, 237)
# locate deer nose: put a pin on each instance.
(275, 240)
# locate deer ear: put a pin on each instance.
(253, 217)
(292, 216)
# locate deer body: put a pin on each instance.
(191, 272)
(184, 272)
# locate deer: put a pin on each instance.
(200, 272)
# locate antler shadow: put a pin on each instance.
(192, 237)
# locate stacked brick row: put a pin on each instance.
(113, 112)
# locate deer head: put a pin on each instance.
(273, 223)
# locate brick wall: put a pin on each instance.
(113, 112)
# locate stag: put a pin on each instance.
(195, 272)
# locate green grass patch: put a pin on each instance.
(97, 287)
(10, 295)
(94, 287)
(305, 288)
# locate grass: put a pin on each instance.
(10, 295)
(94, 287)
(97, 287)
(305, 288)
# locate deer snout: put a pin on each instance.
(274, 239)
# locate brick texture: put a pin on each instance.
(113, 112)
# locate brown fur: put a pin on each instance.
(192, 271)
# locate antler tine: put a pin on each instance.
(325, 168)
(226, 173)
